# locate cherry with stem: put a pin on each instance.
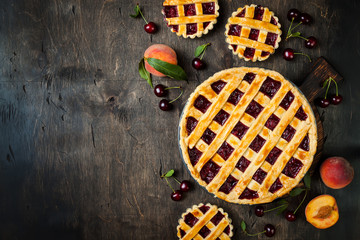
(166, 105)
(149, 27)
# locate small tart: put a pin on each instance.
(248, 135)
(190, 18)
(204, 222)
(253, 33)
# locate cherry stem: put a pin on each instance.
(295, 26)
(254, 234)
(302, 37)
(272, 209)
(142, 14)
(177, 180)
(336, 85)
(171, 88)
(289, 32)
(328, 86)
(306, 191)
(304, 55)
(177, 96)
(169, 184)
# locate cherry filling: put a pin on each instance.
(227, 230)
(249, 77)
(289, 133)
(235, 97)
(204, 208)
(191, 28)
(273, 21)
(248, 194)
(225, 150)
(171, 11)
(189, 9)
(208, 8)
(242, 13)
(304, 145)
(242, 164)
(259, 12)
(257, 143)
(300, 114)
(264, 54)
(182, 233)
(292, 168)
(234, 47)
(273, 155)
(209, 171)
(271, 39)
(205, 24)
(204, 231)
(217, 218)
(254, 34)
(259, 175)
(201, 103)
(254, 109)
(190, 219)
(175, 27)
(275, 186)
(239, 130)
(218, 86)
(249, 52)
(191, 124)
(234, 30)
(228, 185)
(270, 87)
(221, 117)
(272, 122)
(194, 155)
(287, 100)
(208, 136)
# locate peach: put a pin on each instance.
(336, 172)
(322, 212)
(161, 52)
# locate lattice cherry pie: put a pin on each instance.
(190, 18)
(248, 135)
(204, 222)
(253, 33)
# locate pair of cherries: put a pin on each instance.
(161, 91)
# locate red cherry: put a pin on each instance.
(323, 102)
(176, 196)
(185, 186)
(305, 18)
(288, 54)
(290, 216)
(150, 27)
(259, 211)
(198, 64)
(335, 100)
(160, 90)
(311, 42)
(269, 230)
(293, 14)
(165, 105)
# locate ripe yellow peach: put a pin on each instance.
(322, 212)
(161, 52)
(336, 172)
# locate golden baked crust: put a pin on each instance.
(268, 28)
(205, 22)
(220, 227)
(294, 135)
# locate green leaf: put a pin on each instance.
(307, 180)
(144, 73)
(169, 173)
(170, 70)
(282, 202)
(243, 226)
(296, 192)
(200, 49)
(296, 34)
(137, 12)
(282, 209)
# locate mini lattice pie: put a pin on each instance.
(190, 18)
(204, 222)
(248, 135)
(253, 33)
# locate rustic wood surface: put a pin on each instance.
(82, 138)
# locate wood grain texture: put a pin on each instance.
(82, 138)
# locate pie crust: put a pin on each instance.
(204, 222)
(253, 33)
(248, 135)
(190, 18)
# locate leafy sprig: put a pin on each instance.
(200, 50)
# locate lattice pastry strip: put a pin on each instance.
(204, 222)
(190, 18)
(271, 120)
(253, 33)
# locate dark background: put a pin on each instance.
(82, 138)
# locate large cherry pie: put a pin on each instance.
(204, 222)
(190, 18)
(253, 33)
(248, 135)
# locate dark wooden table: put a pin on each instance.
(82, 138)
